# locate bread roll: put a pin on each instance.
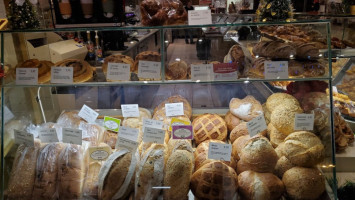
(238, 131)
(279, 150)
(118, 59)
(276, 137)
(283, 118)
(303, 183)
(231, 120)
(214, 180)
(260, 186)
(176, 70)
(159, 111)
(277, 99)
(137, 122)
(245, 109)
(209, 126)
(238, 145)
(282, 165)
(304, 149)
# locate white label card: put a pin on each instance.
(149, 69)
(174, 109)
(88, 114)
(26, 76)
(61, 74)
(48, 135)
(130, 110)
(126, 143)
(22, 137)
(128, 133)
(72, 136)
(153, 135)
(256, 125)
(202, 72)
(335, 90)
(151, 123)
(118, 71)
(219, 151)
(276, 69)
(198, 17)
(304, 122)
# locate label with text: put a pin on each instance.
(48, 135)
(174, 109)
(256, 125)
(225, 72)
(304, 122)
(99, 153)
(198, 17)
(22, 137)
(112, 124)
(118, 71)
(88, 114)
(61, 74)
(202, 72)
(72, 136)
(276, 69)
(177, 122)
(153, 135)
(182, 132)
(151, 123)
(130, 110)
(219, 151)
(130, 145)
(26, 76)
(149, 69)
(128, 133)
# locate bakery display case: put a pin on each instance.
(223, 118)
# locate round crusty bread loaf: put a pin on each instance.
(260, 186)
(238, 131)
(146, 56)
(279, 150)
(245, 109)
(209, 126)
(303, 183)
(267, 114)
(276, 99)
(276, 137)
(137, 122)
(282, 165)
(238, 145)
(283, 118)
(304, 149)
(118, 59)
(231, 120)
(214, 180)
(176, 70)
(159, 111)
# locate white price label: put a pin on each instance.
(276, 69)
(48, 135)
(218, 151)
(62, 75)
(126, 143)
(72, 136)
(88, 114)
(151, 123)
(22, 137)
(149, 69)
(202, 72)
(8, 115)
(118, 71)
(154, 135)
(174, 109)
(256, 125)
(128, 133)
(130, 110)
(26, 76)
(198, 17)
(304, 122)
(335, 90)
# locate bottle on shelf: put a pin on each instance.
(98, 50)
(79, 38)
(90, 57)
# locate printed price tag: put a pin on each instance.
(126, 143)
(99, 153)
(198, 17)
(182, 132)
(335, 90)
(304, 122)
(8, 115)
(88, 114)
(128, 133)
(149, 69)
(22, 137)
(153, 135)
(26, 76)
(118, 72)
(174, 109)
(61, 74)
(48, 135)
(72, 136)
(256, 125)
(202, 72)
(225, 72)
(276, 69)
(151, 123)
(219, 151)
(112, 124)
(130, 110)
(177, 122)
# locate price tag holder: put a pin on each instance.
(154, 135)
(151, 123)
(149, 69)
(304, 122)
(198, 17)
(177, 122)
(182, 132)
(256, 125)
(202, 72)
(26, 76)
(72, 136)
(130, 110)
(276, 69)
(225, 72)
(128, 133)
(174, 109)
(219, 151)
(118, 72)
(112, 124)
(126, 143)
(99, 153)
(22, 137)
(62, 75)
(48, 135)
(88, 114)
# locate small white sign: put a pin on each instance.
(126, 143)
(202, 72)
(130, 110)
(256, 125)
(149, 69)
(62, 75)
(304, 122)
(22, 137)
(128, 133)
(335, 90)
(276, 69)
(199, 17)
(153, 135)
(218, 151)
(8, 115)
(174, 109)
(151, 123)
(48, 135)
(72, 136)
(88, 114)
(26, 76)
(118, 71)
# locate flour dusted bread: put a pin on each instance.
(209, 126)
(245, 109)
(283, 118)
(231, 120)
(277, 99)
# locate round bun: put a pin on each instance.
(231, 120)
(238, 131)
(282, 165)
(277, 99)
(159, 111)
(82, 70)
(303, 183)
(176, 70)
(276, 137)
(238, 145)
(245, 109)
(209, 126)
(279, 150)
(214, 180)
(283, 118)
(119, 59)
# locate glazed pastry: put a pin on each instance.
(274, 50)
(44, 69)
(82, 71)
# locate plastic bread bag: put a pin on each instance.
(240, 55)
(152, 13)
(45, 185)
(150, 173)
(23, 172)
(18, 124)
(35, 129)
(69, 119)
(110, 138)
(175, 11)
(92, 133)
